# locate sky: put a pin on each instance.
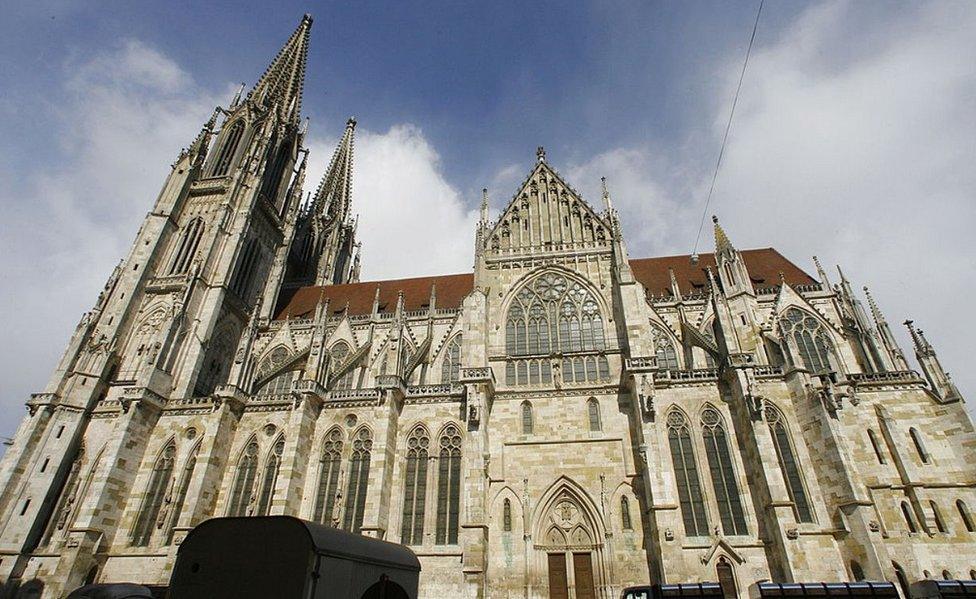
(854, 137)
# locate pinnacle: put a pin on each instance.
(722, 242)
(282, 83)
(336, 184)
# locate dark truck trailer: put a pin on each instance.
(863, 589)
(282, 556)
(944, 589)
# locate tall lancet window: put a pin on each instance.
(526, 418)
(451, 366)
(159, 482)
(362, 447)
(787, 461)
(338, 356)
(415, 488)
(271, 468)
(723, 474)
(185, 478)
(667, 355)
(554, 315)
(247, 468)
(810, 338)
(186, 247)
(329, 466)
(224, 158)
(449, 486)
(686, 474)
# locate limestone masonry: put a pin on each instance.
(563, 421)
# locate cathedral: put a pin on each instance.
(563, 421)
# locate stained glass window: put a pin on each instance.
(362, 447)
(810, 337)
(667, 355)
(328, 477)
(191, 462)
(722, 472)
(338, 356)
(159, 481)
(448, 486)
(247, 468)
(787, 461)
(451, 366)
(686, 473)
(271, 468)
(415, 488)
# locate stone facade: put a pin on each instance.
(562, 417)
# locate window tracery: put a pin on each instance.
(593, 411)
(451, 366)
(415, 488)
(188, 467)
(686, 474)
(221, 164)
(810, 338)
(156, 492)
(271, 469)
(787, 461)
(244, 480)
(527, 423)
(448, 486)
(186, 248)
(338, 355)
(720, 466)
(362, 447)
(667, 355)
(329, 466)
(554, 315)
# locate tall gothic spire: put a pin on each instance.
(282, 83)
(722, 242)
(939, 380)
(884, 332)
(333, 197)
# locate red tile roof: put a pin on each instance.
(765, 266)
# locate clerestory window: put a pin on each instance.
(667, 355)
(810, 339)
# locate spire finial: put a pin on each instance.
(821, 274)
(607, 203)
(540, 154)
(722, 243)
(484, 205)
(351, 123)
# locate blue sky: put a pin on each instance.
(854, 136)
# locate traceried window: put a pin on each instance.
(593, 412)
(448, 486)
(415, 488)
(686, 474)
(159, 480)
(667, 355)
(338, 356)
(186, 249)
(186, 478)
(247, 468)
(281, 383)
(362, 447)
(329, 466)
(271, 468)
(228, 148)
(787, 461)
(451, 366)
(554, 315)
(625, 522)
(810, 339)
(720, 466)
(242, 283)
(527, 423)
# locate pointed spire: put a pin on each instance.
(376, 301)
(283, 81)
(722, 243)
(939, 380)
(824, 281)
(237, 97)
(333, 197)
(607, 203)
(887, 337)
(540, 154)
(879, 318)
(675, 290)
(922, 345)
(200, 145)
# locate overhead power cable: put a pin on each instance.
(728, 127)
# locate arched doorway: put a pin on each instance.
(571, 548)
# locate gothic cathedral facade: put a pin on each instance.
(563, 421)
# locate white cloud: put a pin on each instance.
(412, 221)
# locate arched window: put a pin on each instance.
(280, 383)
(810, 338)
(186, 248)
(726, 578)
(526, 418)
(593, 410)
(906, 512)
(877, 448)
(919, 446)
(507, 516)
(967, 519)
(937, 516)
(222, 162)
(415, 488)
(946, 575)
(722, 473)
(448, 486)
(186, 478)
(159, 480)
(787, 462)
(338, 356)
(554, 315)
(244, 275)
(667, 356)
(273, 171)
(625, 522)
(902, 580)
(362, 447)
(857, 572)
(247, 468)
(329, 465)
(271, 468)
(686, 474)
(451, 366)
